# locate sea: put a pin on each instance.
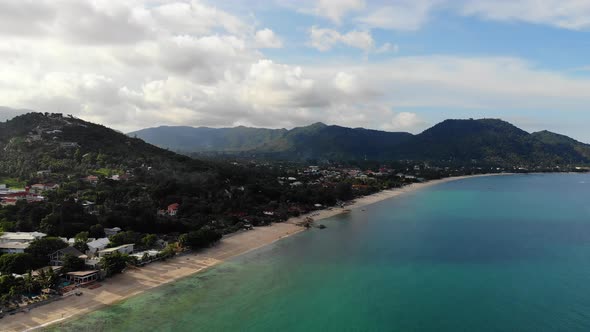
(498, 253)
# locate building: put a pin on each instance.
(92, 179)
(22, 237)
(111, 231)
(41, 187)
(56, 258)
(173, 209)
(82, 277)
(97, 245)
(124, 249)
(13, 247)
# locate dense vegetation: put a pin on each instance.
(485, 141)
(219, 196)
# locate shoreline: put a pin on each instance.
(139, 280)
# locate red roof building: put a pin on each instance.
(173, 209)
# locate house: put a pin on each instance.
(13, 247)
(89, 207)
(111, 231)
(82, 277)
(45, 270)
(41, 187)
(124, 249)
(173, 209)
(97, 245)
(92, 179)
(21, 237)
(56, 258)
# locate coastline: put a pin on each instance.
(137, 281)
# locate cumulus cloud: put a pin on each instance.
(190, 63)
(266, 38)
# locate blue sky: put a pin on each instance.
(399, 65)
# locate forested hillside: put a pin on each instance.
(484, 141)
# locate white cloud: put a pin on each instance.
(335, 10)
(568, 14)
(193, 64)
(326, 39)
(400, 15)
(195, 17)
(266, 38)
(404, 121)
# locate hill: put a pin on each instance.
(485, 141)
(37, 142)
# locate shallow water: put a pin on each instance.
(509, 253)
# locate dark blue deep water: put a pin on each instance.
(502, 253)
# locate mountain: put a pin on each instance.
(316, 140)
(41, 141)
(489, 141)
(190, 139)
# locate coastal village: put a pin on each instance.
(79, 213)
(72, 264)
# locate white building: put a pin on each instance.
(97, 245)
(13, 247)
(124, 249)
(22, 237)
(111, 231)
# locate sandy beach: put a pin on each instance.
(135, 281)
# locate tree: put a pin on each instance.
(40, 249)
(48, 279)
(16, 263)
(96, 231)
(343, 191)
(72, 263)
(122, 238)
(114, 263)
(202, 238)
(149, 240)
(80, 241)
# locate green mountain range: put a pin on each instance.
(486, 141)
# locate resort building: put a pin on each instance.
(13, 247)
(56, 258)
(97, 245)
(124, 249)
(82, 277)
(22, 237)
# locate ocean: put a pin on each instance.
(499, 253)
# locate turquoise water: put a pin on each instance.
(508, 253)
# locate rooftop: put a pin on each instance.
(82, 273)
(14, 245)
(21, 236)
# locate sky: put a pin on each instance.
(396, 65)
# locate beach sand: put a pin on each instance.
(137, 280)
